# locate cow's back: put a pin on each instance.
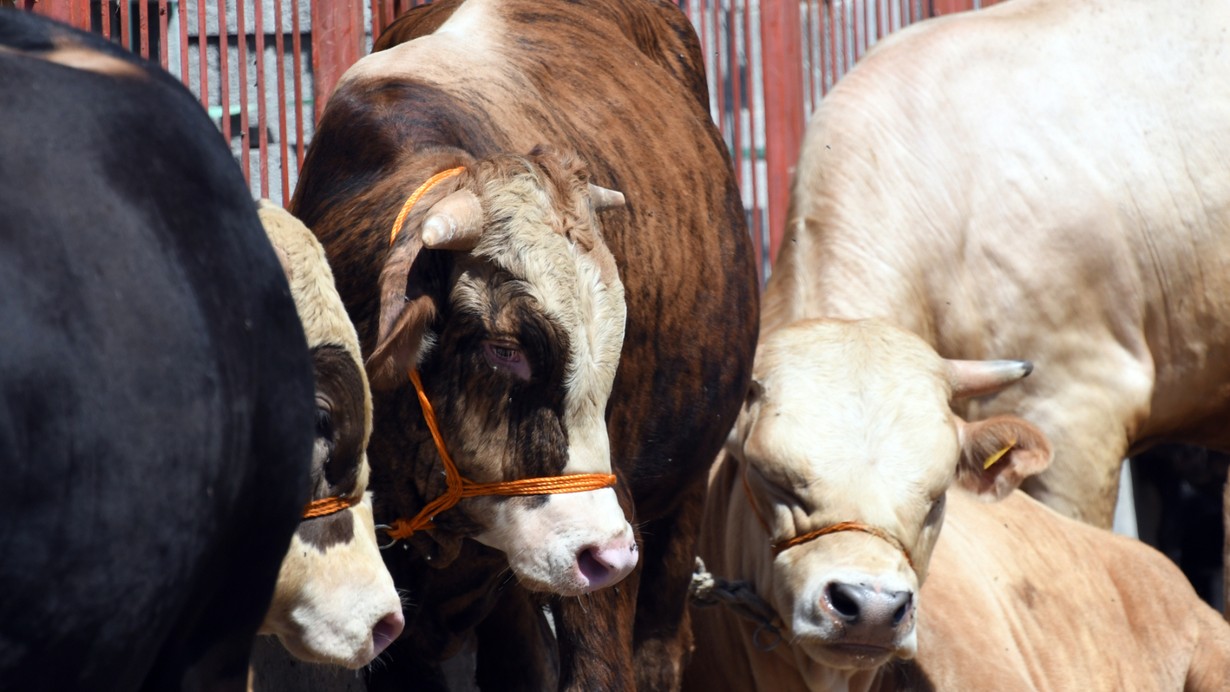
(1005, 607)
(155, 388)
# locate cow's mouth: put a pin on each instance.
(850, 655)
(861, 650)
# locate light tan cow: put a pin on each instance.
(335, 601)
(1044, 178)
(829, 502)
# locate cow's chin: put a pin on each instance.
(844, 655)
(570, 545)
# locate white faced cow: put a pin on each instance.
(335, 601)
(1044, 178)
(830, 502)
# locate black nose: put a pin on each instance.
(858, 604)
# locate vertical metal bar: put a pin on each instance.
(808, 58)
(202, 39)
(296, 44)
(736, 91)
(262, 95)
(224, 73)
(163, 39)
(855, 14)
(125, 25)
(104, 15)
(182, 13)
(143, 24)
(245, 129)
(280, 64)
(337, 35)
(756, 221)
(375, 12)
(721, 43)
(783, 107)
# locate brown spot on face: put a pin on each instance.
(326, 531)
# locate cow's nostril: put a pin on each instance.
(845, 601)
(907, 602)
(387, 631)
(591, 565)
(604, 565)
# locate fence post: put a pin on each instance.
(337, 42)
(781, 40)
(74, 12)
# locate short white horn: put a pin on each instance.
(981, 377)
(605, 198)
(454, 223)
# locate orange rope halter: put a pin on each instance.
(413, 199)
(458, 486)
(788, 543)
(328, 505)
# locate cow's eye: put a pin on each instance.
(324, 423)
(506, 356)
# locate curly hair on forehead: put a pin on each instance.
(562, 177)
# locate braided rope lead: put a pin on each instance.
(707, 590)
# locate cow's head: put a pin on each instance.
(848, 446)
(501, 291)
(335, 601)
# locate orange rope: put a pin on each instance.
(328, 505)
(788, 543)
(459, 487)
(845, 526)
(416, 195)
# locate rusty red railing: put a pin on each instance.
(768, 63)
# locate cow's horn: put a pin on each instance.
(979, 377)
(454, 223)
(605, 198)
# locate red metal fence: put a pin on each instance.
(264, 68)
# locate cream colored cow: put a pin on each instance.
(335, 601)
(843, 466)
(1043, 178)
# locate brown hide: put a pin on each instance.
(621, 84)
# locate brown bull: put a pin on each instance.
(559, 330)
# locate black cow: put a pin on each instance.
(156, 398)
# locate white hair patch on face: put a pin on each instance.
(575, 291)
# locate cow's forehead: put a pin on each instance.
(838, 404)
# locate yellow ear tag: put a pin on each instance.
(997, 456)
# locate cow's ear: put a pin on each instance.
(747, 417)
(998, 453)
(407, 308)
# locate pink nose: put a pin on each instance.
(605, 565)
(387, 631)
